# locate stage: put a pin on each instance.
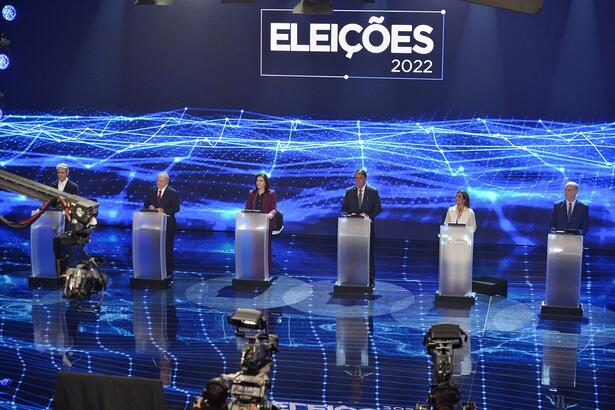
(362, 353)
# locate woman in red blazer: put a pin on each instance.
(263, 199)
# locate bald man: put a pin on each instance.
(164, 199)
(570, 213)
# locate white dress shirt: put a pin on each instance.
(466, 217)
(62, 185)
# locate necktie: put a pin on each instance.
(360, 197)
(158, 197)
(569, 211)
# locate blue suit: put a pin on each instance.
(578, 220)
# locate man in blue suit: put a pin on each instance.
(164, 199)
(364, 200)
(570, 213)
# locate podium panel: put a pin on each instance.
(564, 259)
(42, 232)
(251, 246)
(149, 260)
(456, 253)
(353, 236)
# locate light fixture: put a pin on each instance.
(5, 61)
(314, 7)
(154, 2)
(9, 12)
(524, 6)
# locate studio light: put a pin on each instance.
(314, 7)
(524, 6)
(154, 2)
(9, 12)
(5, 61)
(5, 43)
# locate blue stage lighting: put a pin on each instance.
(9, 12)
(4, 61)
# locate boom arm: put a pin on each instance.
(82, 211)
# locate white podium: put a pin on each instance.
(456, 255)
(251, 250)
(563, 283)
(50, 225)
(149, 259)
(353, 253)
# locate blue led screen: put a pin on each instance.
(513, 170)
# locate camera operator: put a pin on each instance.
(215, 395)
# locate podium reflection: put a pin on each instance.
(49, 321)
(155, 329)
(559, 362)
(56, 326)
(352, 343)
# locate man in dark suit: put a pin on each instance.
(364, 200)
(163, 198)
(64, 253)
(63, 183)
(570, 213)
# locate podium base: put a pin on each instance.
(351, 290)
(465, 301)
(243, 284)
(561, 313)
(490, 286)
(141, 283)
(37, 281)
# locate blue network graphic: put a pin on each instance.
(513, 169)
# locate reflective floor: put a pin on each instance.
(362, 354)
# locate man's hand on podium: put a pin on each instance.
(159, 210)
(270, 215)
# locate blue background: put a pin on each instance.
(128, 72)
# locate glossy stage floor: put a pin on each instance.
(361, 354)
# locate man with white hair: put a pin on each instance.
(164, 199)
(570, 214)
(65, 253)
(63, 183)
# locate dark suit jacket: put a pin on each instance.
(169, 203)
(270, 203)
(371, 202)
(578, 220)
(70, 188)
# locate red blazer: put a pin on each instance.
(269, 204)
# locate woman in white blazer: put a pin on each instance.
(461, 213)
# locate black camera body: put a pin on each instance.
(83, 281)
(251, 384)
(440, 341)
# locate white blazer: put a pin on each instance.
(467, 217)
